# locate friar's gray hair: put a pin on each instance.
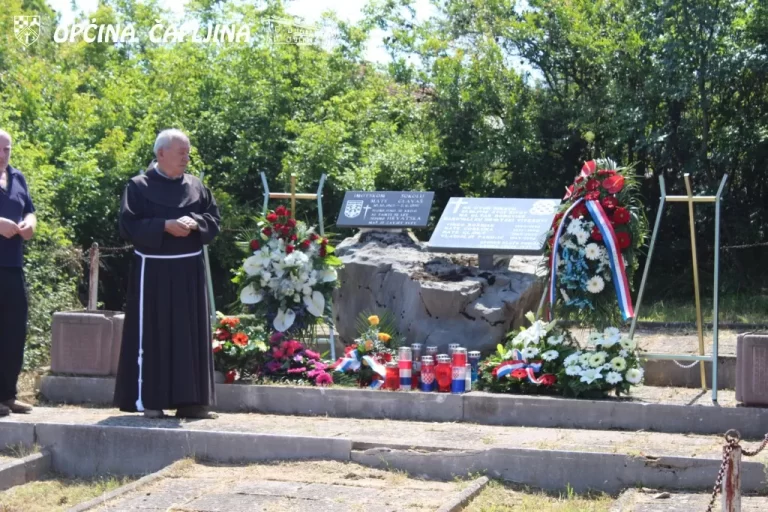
(5, 133)
(165, 138)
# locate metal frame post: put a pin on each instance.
(654, 235)
(716, 293)
(690, 199)
(93, 282)
(731, 490)
(208, 276)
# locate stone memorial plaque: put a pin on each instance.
(488, 226)
(385, 209)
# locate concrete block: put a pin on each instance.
(78, 390)
(245, 447)
(551, 412)
(12, 474)
(667, 373)
(86, 342)
(555, 470)
(27, 469)
(85, 450)
(355, 403)
(15, 433)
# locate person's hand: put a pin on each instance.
(189, 222)
(26, 230)
(176, 227)
(8, 228)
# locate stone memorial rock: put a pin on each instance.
(436, 299)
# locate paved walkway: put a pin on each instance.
(299, 486)
(647, 500)
(679, 341)
(465, 436)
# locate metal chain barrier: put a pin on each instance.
(732, 440)
(686, 366)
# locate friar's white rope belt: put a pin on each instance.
(139, 403)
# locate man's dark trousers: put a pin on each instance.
(13, 329)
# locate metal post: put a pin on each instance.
(320, 204)
(209, 277)
(716, 298)
(650, 254)
(731, 494)
(93, 282)
(266, 193)
(293, 196)
(332, 340)
(696, 291)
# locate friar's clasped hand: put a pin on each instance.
(181, 227)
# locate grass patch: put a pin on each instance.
(19, 451)
(55, 493)
(501, 497)
(749, 309)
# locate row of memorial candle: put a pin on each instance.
(453, 373)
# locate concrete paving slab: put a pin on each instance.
(293, 486)
(648, 500)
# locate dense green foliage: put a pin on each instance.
(677, 87)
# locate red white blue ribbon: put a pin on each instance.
(531, 369)
(352, 363)
(554, 260)
(620, 281)
(618, 271)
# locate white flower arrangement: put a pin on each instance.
(610, 363)
(291, 271)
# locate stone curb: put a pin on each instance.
(87, 450)
(120, 491)
(27, 469)
(461, 500)
(474, 407)
(556, 470)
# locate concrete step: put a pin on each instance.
(674, 410)
(20, 470)
(85, 442)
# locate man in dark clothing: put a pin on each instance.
(166, 360)
(17, 223)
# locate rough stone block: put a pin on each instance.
(435, 298)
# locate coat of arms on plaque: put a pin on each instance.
(352, 209)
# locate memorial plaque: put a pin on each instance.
(385, 209)
(488, 226)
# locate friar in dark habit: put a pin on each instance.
(166, 360)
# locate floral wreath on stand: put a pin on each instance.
(290, 275)
(593, 246)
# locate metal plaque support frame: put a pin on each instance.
(293, 196)
(690, 199)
